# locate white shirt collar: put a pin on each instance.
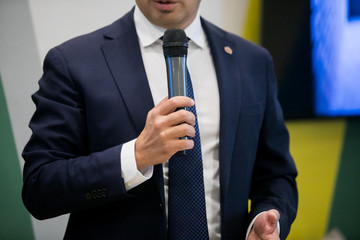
(149, 33)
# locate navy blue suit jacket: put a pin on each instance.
(94, 96)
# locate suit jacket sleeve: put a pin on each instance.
(61, 173)
(273, 181)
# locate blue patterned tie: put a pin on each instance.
(187, 210)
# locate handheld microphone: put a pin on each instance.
(175, 46)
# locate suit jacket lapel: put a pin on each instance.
(229, 84)
(123, 57)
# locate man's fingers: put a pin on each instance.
(181, 116)
(265, 226)
(178, 131)
(167, 106)
(167, 126)
(159, 139)
(273, 217)
(183, 144)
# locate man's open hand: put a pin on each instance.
(265, 226)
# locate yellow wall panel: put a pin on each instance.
(252, 22)
(316, 147)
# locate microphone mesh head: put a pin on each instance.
(175, 43)
(175, 35)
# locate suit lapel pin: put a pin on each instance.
(228, 50)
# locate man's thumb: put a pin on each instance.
(273, 217)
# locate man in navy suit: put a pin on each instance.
(104, 131)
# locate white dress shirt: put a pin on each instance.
(206, 93)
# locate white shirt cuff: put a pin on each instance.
(129, 172)
(252, 223)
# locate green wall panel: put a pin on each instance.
(346, 202)
(15, 223)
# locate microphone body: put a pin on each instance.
(175, 45)
(176, 75)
